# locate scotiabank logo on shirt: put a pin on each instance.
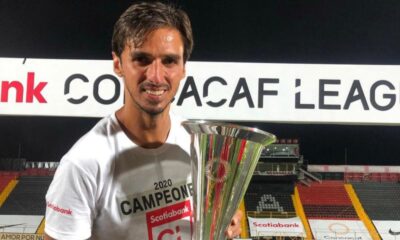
(171, 222)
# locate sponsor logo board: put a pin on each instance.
(257, 91)
(388, 230)
(21, 236)
(19, 223)
(339, 230)
(290, 227)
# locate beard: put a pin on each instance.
(153, 111)
(150, 108)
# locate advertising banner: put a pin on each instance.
(289, 227)
(21, 236)
(339, 229)
(388, 230)
(19, 223)
(295, 93)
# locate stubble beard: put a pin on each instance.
(151, 111)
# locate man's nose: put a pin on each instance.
(155, 71)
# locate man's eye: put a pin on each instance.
(141, 60)
(169, 61)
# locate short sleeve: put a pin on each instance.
(70, 203)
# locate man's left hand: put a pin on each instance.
(234, 229)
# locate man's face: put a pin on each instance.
(153, 71)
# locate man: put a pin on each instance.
(129, 177)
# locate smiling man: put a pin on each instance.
(151, 73)
(129, 177)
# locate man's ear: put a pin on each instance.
(184, 71)
(117, 64)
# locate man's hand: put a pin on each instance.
(234, 229)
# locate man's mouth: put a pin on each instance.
(154, 89)
(155, 92)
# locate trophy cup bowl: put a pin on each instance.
(223, 159)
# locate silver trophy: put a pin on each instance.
(224, 157)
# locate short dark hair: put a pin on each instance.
(142, 18)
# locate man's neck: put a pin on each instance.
(145, 130)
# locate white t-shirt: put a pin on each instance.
(106, 187)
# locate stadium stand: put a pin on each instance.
(326, 200)
(274, 198)
(379, 199)
(270, 192)
(27, 198)
(12, 164)
(338, 176)
(38, 172)
(7, 184)
(371, 177)
(269, 195)
(4, 181)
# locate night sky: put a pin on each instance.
(273, 31)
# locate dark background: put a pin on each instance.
(267, 31)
